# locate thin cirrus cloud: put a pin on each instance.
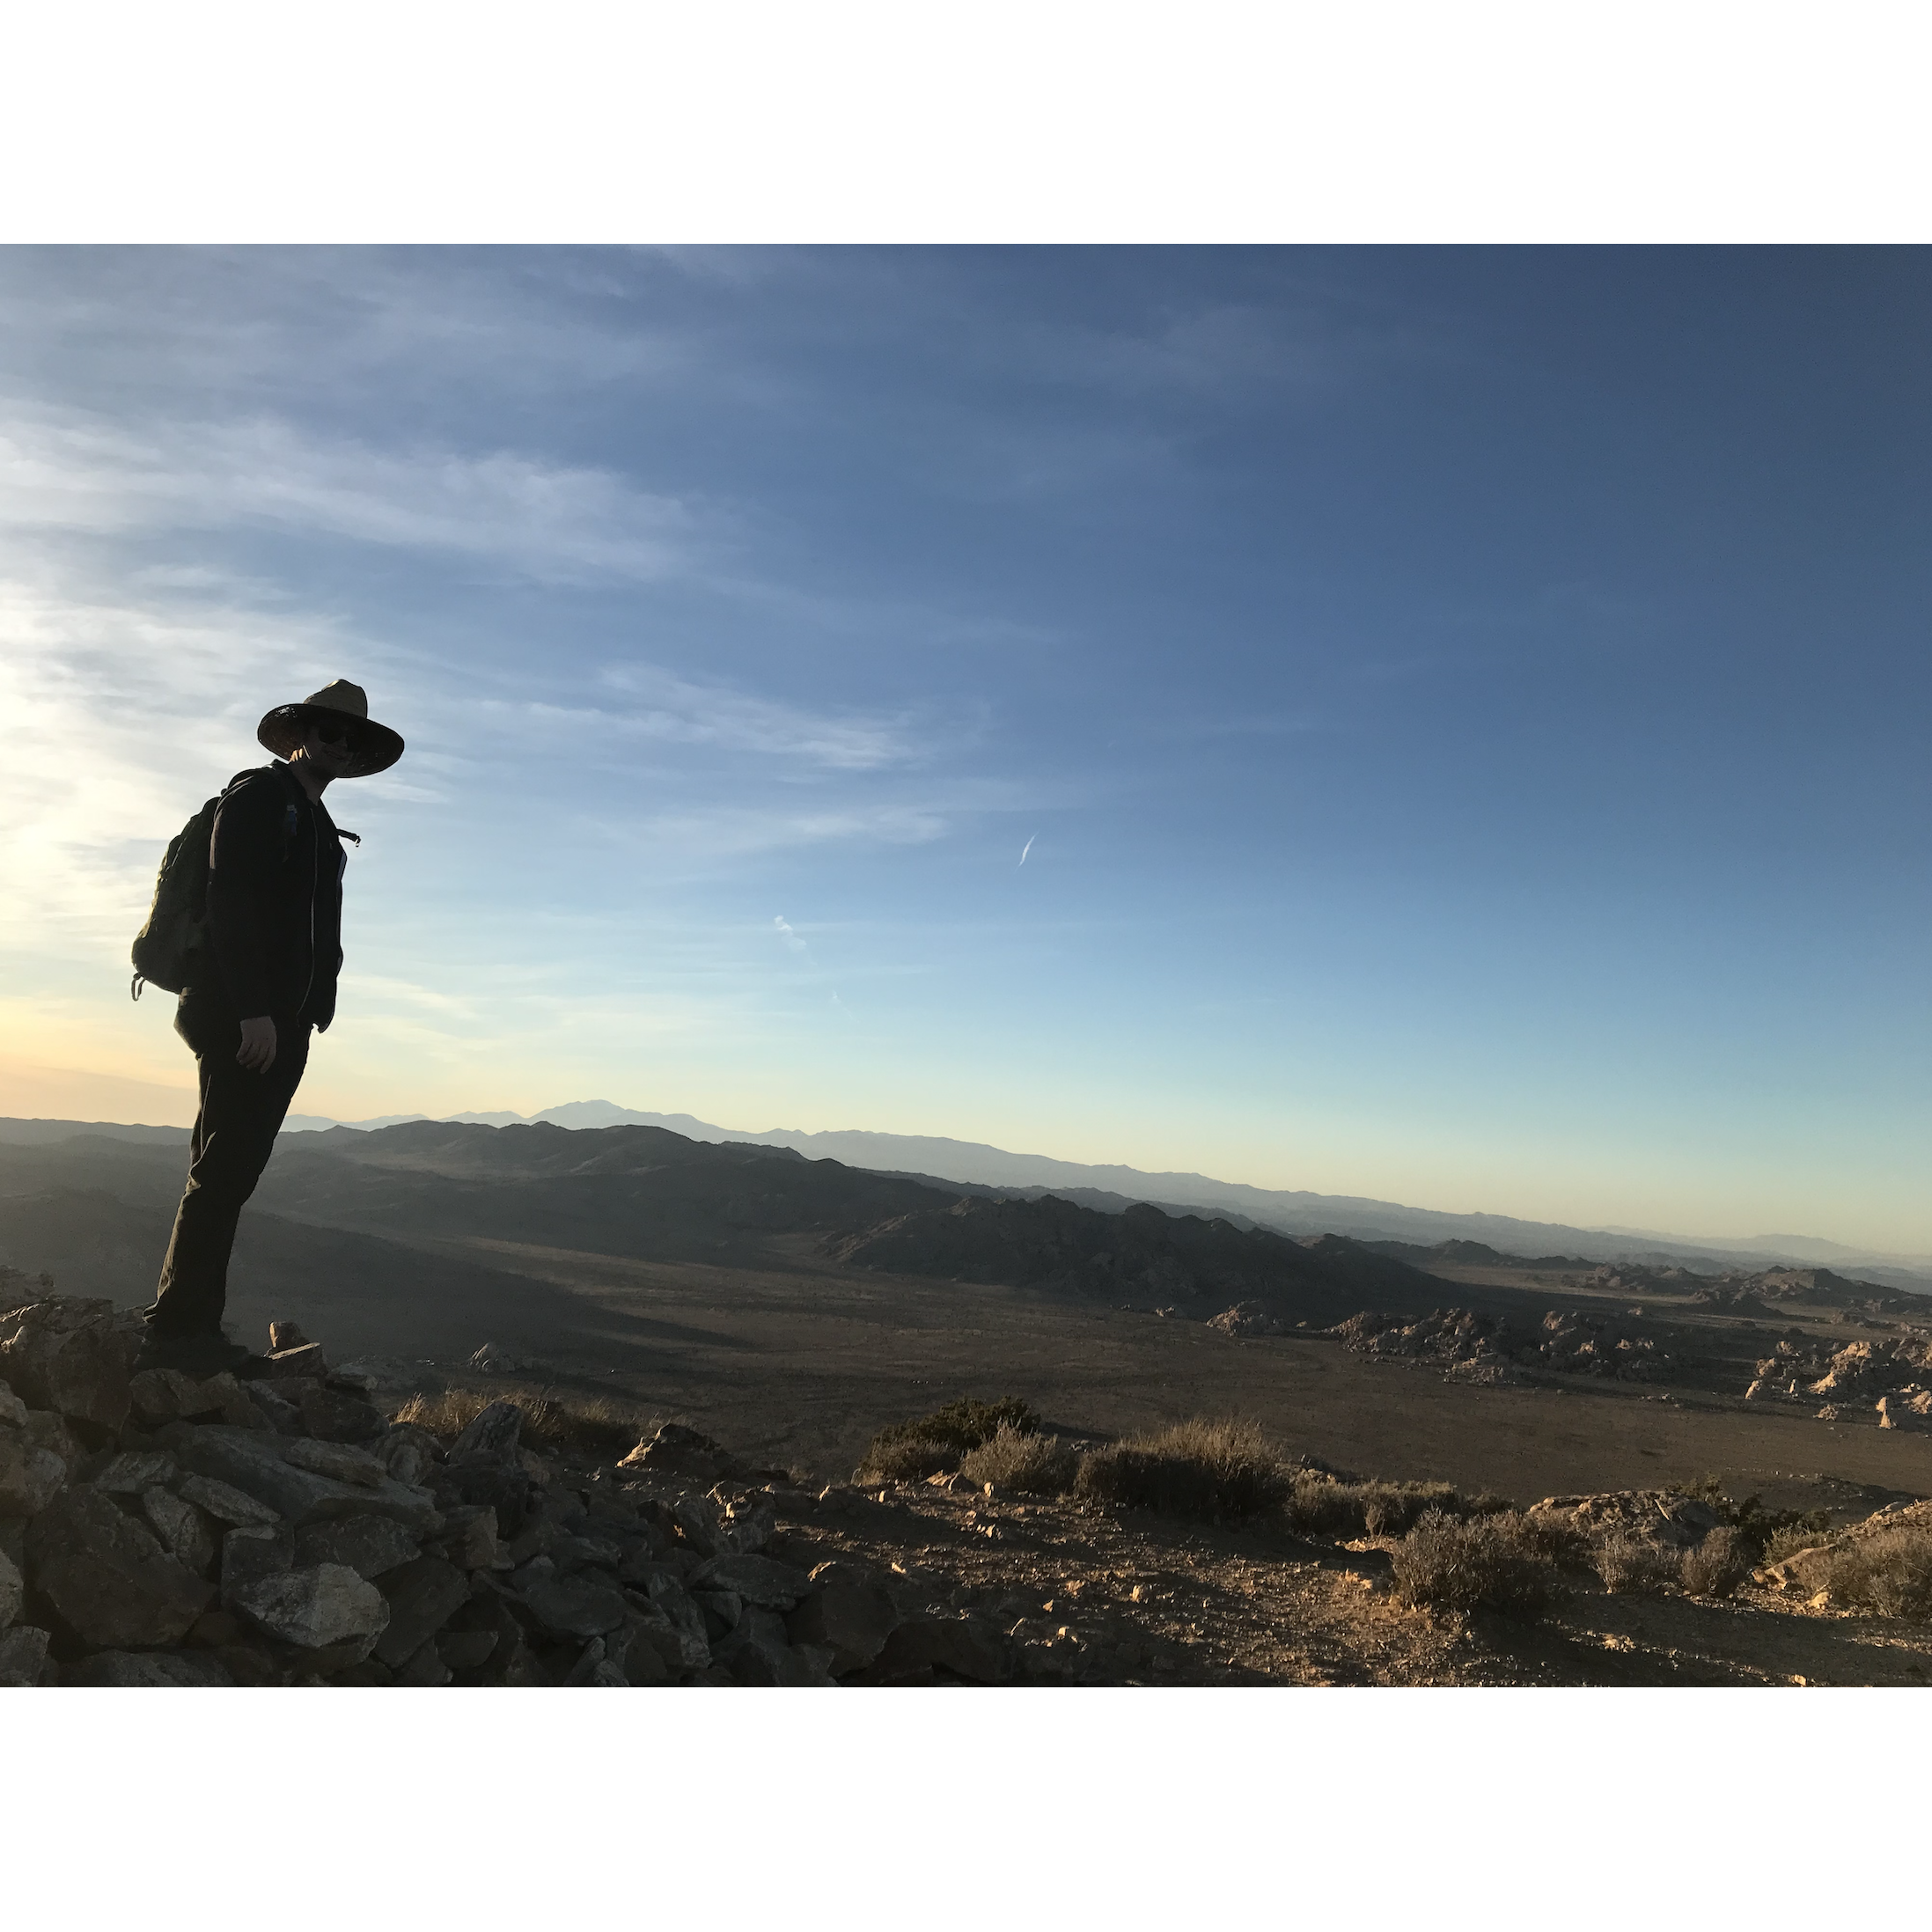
(71, 473)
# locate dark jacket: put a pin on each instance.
(275, 900)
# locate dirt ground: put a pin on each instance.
(799, 1365)
(1105, 1598)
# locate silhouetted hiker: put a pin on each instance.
(259, 977)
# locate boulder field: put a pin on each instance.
(158, 1529)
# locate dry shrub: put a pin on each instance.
(1718, 1564)
(904, 1451)
(588, 1425)
(1805, 1534)
(1888, 1571)
(1503, 1561)
(1633, 1564)
(1202, 1469)
(1320, 1505)
(1022, 1460)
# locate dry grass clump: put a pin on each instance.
(1503, 1561)
(1888, 1571)
(1718, 1564)
(1320, 1505)
(588, 1425)
(1022, 1460)
(906, 1452)
(1208, 1470)
(1635, 1565)
(1805, 1534)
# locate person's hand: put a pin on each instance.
(257, 1045)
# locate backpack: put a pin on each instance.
(170, 949)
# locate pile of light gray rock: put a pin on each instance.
(156, 1529)
(1893, 1376)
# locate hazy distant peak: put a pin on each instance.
(1285, 1210)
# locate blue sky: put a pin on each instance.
(1466, 705)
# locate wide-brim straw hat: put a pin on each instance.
(375, 748)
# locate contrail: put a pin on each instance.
(1024, 850)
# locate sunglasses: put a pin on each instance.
(332, 734)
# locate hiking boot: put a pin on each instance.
(198, 1356)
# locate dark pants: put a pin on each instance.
(240, 1115)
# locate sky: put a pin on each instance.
(1441, 724)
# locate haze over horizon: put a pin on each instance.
(1440, 725)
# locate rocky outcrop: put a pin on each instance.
(1469, 1347)
(157, 1531)
(1889, 1378)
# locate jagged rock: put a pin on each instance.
(251, 1555)
(13, 1411)
(698, 1521)
(594, 1669)
(468, 1537)
(146, 1670)
(30, 1477)
(958, 1645)
(227, 1503)
(423, 1670)
(73, 1356)
(282, 1416)
(23, 1656)
(408, 1453)
(678, 1650)
(369, 1544)
(488, 1481)
(223, 1396)
(492, 1360)
(760, 1580)
(340, 1461)
(378, 1375)
(133, 1470)
(255, 1463)
(323, 1607)
(12, 1591)
(849, 1612)
(495, 1431)
(158, 1397)
(304, 1361)
(574, 1606)
(333, 1417)
(466, 1649)
(749, 1525)
(677, 1451)
(1664, 1517)
(756, 1653)
(723, 1612)
(423, 1595)
(180, 1527)
(107, 1576)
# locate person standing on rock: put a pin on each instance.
(267, 978)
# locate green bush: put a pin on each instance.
(904, 1451)
(1206, 1470)
(1503, 1561)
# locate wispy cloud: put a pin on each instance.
(69, 473)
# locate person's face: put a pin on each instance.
(330, 746)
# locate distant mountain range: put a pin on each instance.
(1286, 1211)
